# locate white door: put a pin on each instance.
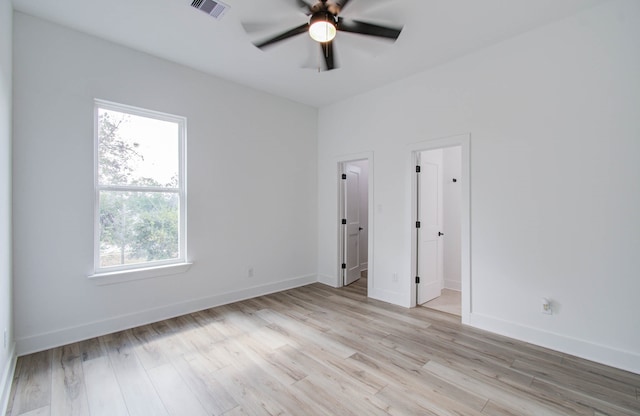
(430, 247)
(352, 233)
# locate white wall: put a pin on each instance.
(452, 168)
(252, 186)
(555, 179)
(6, 319)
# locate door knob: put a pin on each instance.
(360, 228)
(440, 234)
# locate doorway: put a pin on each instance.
(354, 223)
(441, 232)
(438, 237)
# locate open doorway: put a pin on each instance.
(438, 234)
(354, 224)
(441, 227)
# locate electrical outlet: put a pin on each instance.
(395, 277)
(545, 306)
(250, 272)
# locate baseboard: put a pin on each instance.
(364, 266)
(66, 336)
(396, 298)
(328, 280)
(453, 285)
(624, 360)
(7, 380)
(400, 299)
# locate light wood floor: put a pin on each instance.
(315, 351)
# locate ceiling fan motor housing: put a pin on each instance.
(323, 16)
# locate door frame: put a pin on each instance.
(341, 162)
(464, 141)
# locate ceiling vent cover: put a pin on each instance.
(215, 9)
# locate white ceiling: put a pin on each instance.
(435, 31)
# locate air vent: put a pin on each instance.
(215, 9)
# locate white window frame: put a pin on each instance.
(115, 274)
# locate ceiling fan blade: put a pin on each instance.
(370, 29)
(286, 35)
(253, 27)
(342, 4)
(327, 52)
(304, 5)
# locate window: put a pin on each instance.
(139, 188)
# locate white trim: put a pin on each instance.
(342, 228)
(464, 141)
(122, 276)
(452, 284)
(330, 281)
(625, 360)
(7, 379)
(125, 188)
(137, 111)
(388, 296)
(69, 335)
(180, 190)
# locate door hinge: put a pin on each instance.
(417, 224)
(417, 279)
(344, 221)
(344, 265)
(344, 176)
(417, 169)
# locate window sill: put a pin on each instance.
(122, 276)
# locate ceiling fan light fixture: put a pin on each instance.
(322, 27)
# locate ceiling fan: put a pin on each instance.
(323, 25)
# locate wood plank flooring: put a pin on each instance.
(315, 350)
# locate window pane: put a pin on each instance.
(135, 150)
(137, 227)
